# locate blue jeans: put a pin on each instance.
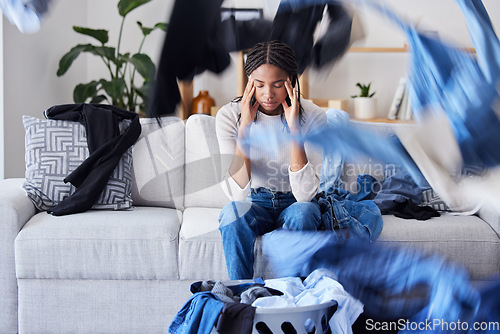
(263, 211)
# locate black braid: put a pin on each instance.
(279, 54)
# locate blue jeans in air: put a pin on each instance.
(263, 211)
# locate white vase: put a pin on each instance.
(365, 107)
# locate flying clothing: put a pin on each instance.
(448, 82)
(192, 45)
(26, 15)
(391, 282)
(198, 40)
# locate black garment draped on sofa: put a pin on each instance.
(106, 147)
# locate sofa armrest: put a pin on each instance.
(15, 210)
(491, 215)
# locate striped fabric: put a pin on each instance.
(54, 149)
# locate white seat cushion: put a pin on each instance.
(201, 255)
(135, 244)
(200, 246)
(464, 238)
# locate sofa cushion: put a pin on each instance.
(137, 244)
(204, 165)
(469, 240)
(158, 164)
(54, 149)
(200, 246)
(201, 255)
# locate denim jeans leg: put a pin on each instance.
(240, 223)
(301, 216)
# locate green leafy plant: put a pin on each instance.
(119, 88)
(365, 91)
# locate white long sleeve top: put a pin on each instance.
(270, 152)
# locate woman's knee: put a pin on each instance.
(232, 211)
(302, 216)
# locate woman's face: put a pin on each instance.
(270, 91)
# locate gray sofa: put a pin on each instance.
(129, 271)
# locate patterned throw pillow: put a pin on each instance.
(430, 197)
(54, 149)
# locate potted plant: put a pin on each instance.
(365, 105)
(120, 88)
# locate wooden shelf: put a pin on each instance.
(379, 49)
(382, 120)
(391, 49)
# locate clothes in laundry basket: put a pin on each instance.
(203, 308)
(318, 287)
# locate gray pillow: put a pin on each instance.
(54, 149)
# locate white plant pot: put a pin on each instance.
(365, 107)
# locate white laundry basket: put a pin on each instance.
(300, 319)
(312, 319)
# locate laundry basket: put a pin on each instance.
(300, 319)
(312, 319)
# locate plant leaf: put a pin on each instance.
(71, 55)
(146, 90)
(126, 6)
(103, 51)
(144, 65)
(100, 34)
(146, 31)
(66, 60)
(84, 91)
(162, 25)
(99, 99)
(114, 88)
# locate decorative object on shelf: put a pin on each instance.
(203, 103)
(365, 105)
(401, 102)
(120, 88)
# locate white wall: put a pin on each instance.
(30, 82)
(30, 61)
(2, 138)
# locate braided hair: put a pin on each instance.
(279, 54)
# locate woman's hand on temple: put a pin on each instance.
(248, 110)
(292, 111)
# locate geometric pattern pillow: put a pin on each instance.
(433, 200)
(429, 196)
(54, 149)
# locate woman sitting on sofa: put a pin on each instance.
(271, 186)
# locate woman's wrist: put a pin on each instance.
(243, 130)
(295, 129)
